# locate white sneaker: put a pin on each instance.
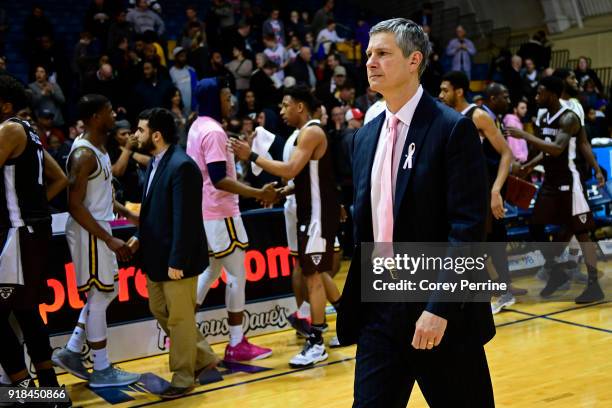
(334, 342)
(505, 300)
(310, 354)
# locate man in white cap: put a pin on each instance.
(184, 79)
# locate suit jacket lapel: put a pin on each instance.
(158, 172)
(363, 166)
(416, 134)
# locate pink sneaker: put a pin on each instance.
(245, 351)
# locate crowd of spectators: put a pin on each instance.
(124, 54)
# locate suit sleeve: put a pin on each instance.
(186, 201)
(466, 201)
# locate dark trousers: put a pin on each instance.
(454, 374)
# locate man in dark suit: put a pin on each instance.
(172, 246)
(430, 174)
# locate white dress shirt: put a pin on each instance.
(404, 115)
(156, 159)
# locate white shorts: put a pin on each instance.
(95, 265)
(225, 235)
(290, 211)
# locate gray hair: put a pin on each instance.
(409, 37)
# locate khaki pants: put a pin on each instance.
(173, 305)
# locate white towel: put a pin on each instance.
(261, 144)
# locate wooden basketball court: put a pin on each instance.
(553, 354)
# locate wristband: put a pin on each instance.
(253, 157)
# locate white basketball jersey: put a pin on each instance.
(99, 196)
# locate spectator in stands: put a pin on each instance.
(424, 17)
(240, 37)
(119, 29)
(191, 12)
(461, 49)
(184, 79)
(319, 21)
(46, 128)
(589, 95)
(366, 100)
(86, 55)
(98, 20)
(326, 90)
(242, 69)
(47, 95)
(143, 19)
(128, 165)
(294, 47)
(328, 37)
(511, 77)
(583, 72)
(152, 91)
(216, 68)
(346, 95)
(273, 26)
(267, 93)
(515, 119)
(103, 82)
(362, 33)
(248, 105)
(595, 127)
(432, 77)
(301, 69)
(181, 120)
(276, 53)
(220, 17)
(531, 78)
(152, 40)
(48, 54)
(309, 41)
(331, 62)
(535, 50)
(36, 26)
(197, 55)
(295, 26)
(3, 70)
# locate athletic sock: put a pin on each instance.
(77, 340)
(592, 271)
(100, 359)
(236, 335)
(46, 378)
(336, 305)
(316, 334)
(304, 310)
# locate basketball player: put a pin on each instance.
(30, 177)
(301, 320)
(318, 209)
(453, 92)
(561, 200)
(93, 248)
(227, 239)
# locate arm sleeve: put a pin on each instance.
(451, 48)
(216, 171)
(470, 47)
(186, 188)
(467, 201)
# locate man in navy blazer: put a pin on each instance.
(438, 194)
(172, 245)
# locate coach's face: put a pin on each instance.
(388, 69)
(145, 138)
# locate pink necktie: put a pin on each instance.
(385, 203)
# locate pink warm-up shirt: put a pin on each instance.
(518, 146)
(207, 143)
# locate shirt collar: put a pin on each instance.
(406, 112)
(159, 156)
